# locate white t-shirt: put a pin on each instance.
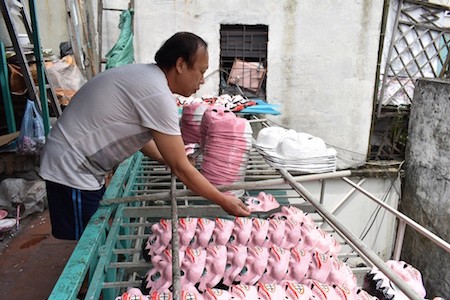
(107, 121)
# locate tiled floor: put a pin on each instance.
(31, 260)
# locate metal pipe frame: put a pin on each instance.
(359, 246)
(434, 238)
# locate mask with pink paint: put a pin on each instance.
(236, 258)
(192, 266)
(241, 231)
(261, 203)
(322, 291)
(216, 260)
(270, 291)
(186, 230)
(339, 274)
(277, 265)
(259, 232)
(275, 234)
(159, 277)
(203, 233)
(222, 231)
(409, 274)
(292, 212)
(212, 114)
(296, 291)
(345, 293)
(310, 236)
(298, 264)
(216, 294)
(320, 266)
(255, 265)
(327, 243)
(133, 294)
(159, 239)
(363, 295)
(243, 292)
(292, 234)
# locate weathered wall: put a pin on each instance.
(322, 58)
(426, 191)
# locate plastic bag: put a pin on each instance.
(32, 133)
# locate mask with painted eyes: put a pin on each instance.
(236, 258)
(186, 230)
(222, 231)
(241, 231)
(159, 277)
(243, 291)
(203, 233)
(192, 265)
(378, 284)
(277, 265)
(160, 237)
(261, 203)
(255, 265)
(259, 232)
(345, 293)
(299, 261)
(292, 212)
(296, 291)
(216, 259)
(216, 294)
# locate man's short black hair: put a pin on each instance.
(181, 44)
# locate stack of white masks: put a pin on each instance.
(295, 151)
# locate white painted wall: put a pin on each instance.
(321, 58)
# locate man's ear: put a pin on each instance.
(180, 64)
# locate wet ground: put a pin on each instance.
(31, 260)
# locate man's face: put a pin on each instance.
(192, 77)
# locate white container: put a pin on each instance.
(23, 39)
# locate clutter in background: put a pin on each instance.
(32, 134)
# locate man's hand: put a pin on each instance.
(234, 206)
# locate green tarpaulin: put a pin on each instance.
(123, 52)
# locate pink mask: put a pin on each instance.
(160, 237)
(255, 265)
(216, 294)
(296, 291)
(259, 232)
(275, 234)
(277, 265)
(242, 291)
(292, 234)
(192, 266)
(320, 267)
(222, 231)
(262, 203)
(270, 291)
(298, 264)
(159, 277)
(186, 230)
(203, 232)
(216, 259)
(236, 258)
(241, 231)
(133, 294)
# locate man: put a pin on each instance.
(116, 113)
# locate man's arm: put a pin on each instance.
(172, 150)
(152, 151)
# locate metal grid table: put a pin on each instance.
(109, 252)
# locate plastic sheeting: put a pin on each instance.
(122, 52)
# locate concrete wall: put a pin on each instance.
(426, 191)
(321, 58)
